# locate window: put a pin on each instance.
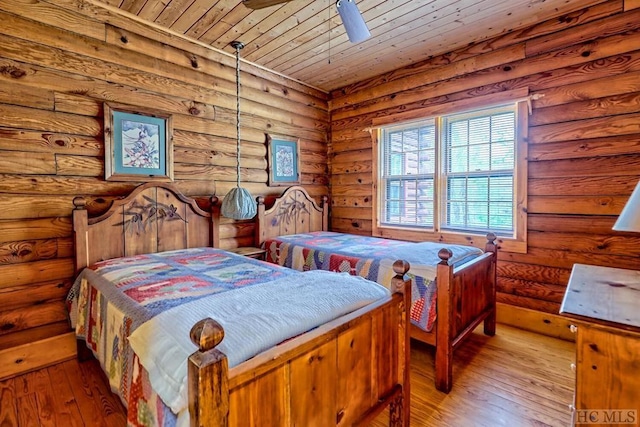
(455, 174)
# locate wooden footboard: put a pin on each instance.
(343, 373)
(466, 297)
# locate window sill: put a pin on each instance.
(477, 240)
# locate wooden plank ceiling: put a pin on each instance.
(305, 39)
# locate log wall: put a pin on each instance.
(583, 146)
(60, 60)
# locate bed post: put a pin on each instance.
(215, 222)
(490, 321)
(445, 323)
(80, 229)
(400, 407)
(208, 374)
(260, 226)
(324, 205)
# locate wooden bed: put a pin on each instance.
(466, 294)
(342, 373)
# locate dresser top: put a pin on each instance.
(603, 295)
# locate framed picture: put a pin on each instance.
(137, 144)
(284, 161)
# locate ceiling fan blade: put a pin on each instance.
(260, 4)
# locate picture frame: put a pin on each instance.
(283, 161)
(138, 144)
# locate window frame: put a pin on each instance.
(517, 243)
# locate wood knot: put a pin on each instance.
(206, 334)
(194, 111)
(124, 39)
(13, 72)
(23, 252)
(194, 62)
(564, 19)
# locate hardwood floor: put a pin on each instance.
(516, 378)
(68, 394)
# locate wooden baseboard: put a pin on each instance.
(552, 325)
(36, 355)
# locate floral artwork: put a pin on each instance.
(284, 159)
(138, 144)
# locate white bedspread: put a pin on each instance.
(254, 319)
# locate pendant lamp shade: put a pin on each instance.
(629, 219)
(238, 203)
(352, 20)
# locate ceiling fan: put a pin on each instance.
(351, 18)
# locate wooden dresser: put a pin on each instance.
(604, 304)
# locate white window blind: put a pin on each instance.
(479, 171)
(409, 155)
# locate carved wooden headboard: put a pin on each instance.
(293, 212)
(153, 218)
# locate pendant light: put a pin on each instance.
(238, 203)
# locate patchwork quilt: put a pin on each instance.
(135, 314)
(371, 258)
(105, 314)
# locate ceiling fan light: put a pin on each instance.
(352, 20)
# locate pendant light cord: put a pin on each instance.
(329, 20)
(237, 45)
